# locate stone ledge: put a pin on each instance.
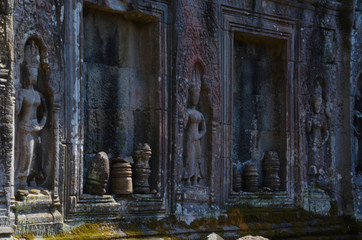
(6, 231)
(94, 207)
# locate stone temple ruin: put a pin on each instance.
(120, 110)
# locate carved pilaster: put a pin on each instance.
(6, 116)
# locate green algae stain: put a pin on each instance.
(236, 218)
(27, 236)
(88, 231)
(132, 229)
(269, 222)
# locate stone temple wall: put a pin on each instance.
(356, 78)
(255, 103)
(7, 104)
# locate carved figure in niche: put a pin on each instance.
(194, 131)
(357, 127)
(318, 135)
(32, 116)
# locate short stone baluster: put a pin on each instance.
(271, 165)
(250, 178)
(141, 168)
(121, 175)
(236, 180)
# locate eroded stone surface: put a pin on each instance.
(29, 104)
(141, 168)
(121, 176)
(214, 236)
(210, 85)
(98, 175)
(253, 238)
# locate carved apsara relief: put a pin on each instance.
(37, 138)
(318, 134)
(198, 47)
(32, 113)
(194, 131)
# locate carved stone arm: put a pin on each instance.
(182, 121)
(326, 137)
(356, 131)
(357, 114)
(18, 102)
(309, 125)
(45, 115)
(203, 127)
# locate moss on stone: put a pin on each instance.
(88, 231)
(235, 217)
(269, 222)
(160, 229)
(132, 229)
(26, 235)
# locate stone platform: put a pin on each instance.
(93, 207)
(237, 222)
(36, 211)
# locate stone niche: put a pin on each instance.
(259, 102)
(121, 71)
(41, 173)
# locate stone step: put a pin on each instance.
(91, 207)
(90, 199)
(146, 208)
(145, 205)
(240, 221)
(40, 229)
(5, 232)
(94, 209)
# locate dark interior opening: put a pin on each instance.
(121, 71)
(259, 101)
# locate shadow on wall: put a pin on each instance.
(121, 60)
(259, 102)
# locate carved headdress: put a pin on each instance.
(197, 72)
(31, 55)
(318, 91)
